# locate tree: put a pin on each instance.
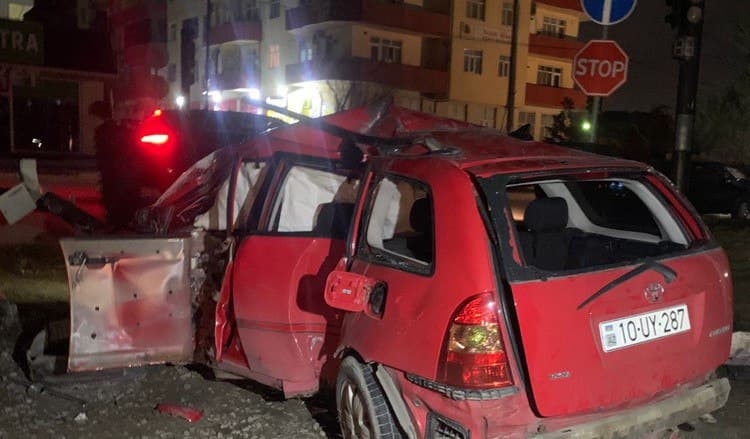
(567, 125)
(723, 122)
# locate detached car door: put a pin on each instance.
(130, 301)
(133, 298)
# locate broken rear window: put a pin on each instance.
(572, 224)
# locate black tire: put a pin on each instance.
(363, 410)
(741, 209)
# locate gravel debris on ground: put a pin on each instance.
(124, 406)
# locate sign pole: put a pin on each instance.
(688, 51)
(597, 101)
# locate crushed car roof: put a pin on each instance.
(478, 149)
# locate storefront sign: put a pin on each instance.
(485, 33)
(21, 42)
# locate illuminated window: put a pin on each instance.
(549, 76)
(305, 51)
(16, 10)
(385, 50)
(507, 17)
(553, 27)
(274, 56)
(475, 9)
(503, 68)
(473, 61)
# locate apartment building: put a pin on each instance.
(481, 62)
(138, 37)
(449, 57)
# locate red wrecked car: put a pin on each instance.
(448, 280)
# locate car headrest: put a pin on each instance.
(333, 220)
(546, 214)
(420, 216)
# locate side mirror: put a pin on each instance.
(356, 293)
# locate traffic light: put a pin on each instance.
(684, 14)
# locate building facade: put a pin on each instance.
(448, 57)
(53, 67)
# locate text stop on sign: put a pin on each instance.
(600, 68)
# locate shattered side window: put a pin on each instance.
(400, 222)
(316, 201)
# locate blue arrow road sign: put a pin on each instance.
(607, 12)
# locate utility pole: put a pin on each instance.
(596, 106)
(511, 104)
(687, 17)
(207, 61)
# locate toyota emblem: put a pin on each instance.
(654, 292)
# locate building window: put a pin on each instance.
(503, 69)
(525, 117)
(549, 76)
(274, 56)
(553, 27)
(45, 117)
(16, 10)
(489, 114)
(473, 61)
(548, 121)
(385, 50)
(274, 9)
(251, 10)
(475, 9)
(305, 51)
(507, 18)
(172, 32)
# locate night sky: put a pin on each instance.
(652, 78)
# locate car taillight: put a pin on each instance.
(473, 354)
(155, 139)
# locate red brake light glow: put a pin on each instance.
(473, 354)
(155, 139)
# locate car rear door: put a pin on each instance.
(285, 328)
(639, 308)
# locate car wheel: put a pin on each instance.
(742, 211)
(362, 408)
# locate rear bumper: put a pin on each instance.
(669, 412)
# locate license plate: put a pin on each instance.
(641, 328)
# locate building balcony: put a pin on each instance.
(546, 45)
(396, 15)
(553, 97)
(563, 4)
(234, 79)
(235, 30)
(399, 76)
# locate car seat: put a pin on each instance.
(545, 244)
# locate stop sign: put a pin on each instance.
(600, 68)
